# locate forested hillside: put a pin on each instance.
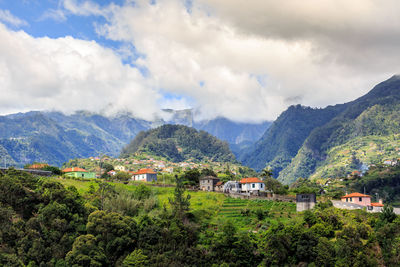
(43, 223)
(375, 114)
(179, 143)
(283, 139)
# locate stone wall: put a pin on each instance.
(268, 196)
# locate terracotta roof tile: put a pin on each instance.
(250, 180)
(355, 195)
(75, 169)
(144, 171)
(377, 205)
(38, 166)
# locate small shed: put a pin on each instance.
(305, 202)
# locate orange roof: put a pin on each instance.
(355, 195)
(38, 166)
(250, 180)
(144, 171)
(219, 183)
(377, 205)
(75, 169)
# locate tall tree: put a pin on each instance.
(180, 203)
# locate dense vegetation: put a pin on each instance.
(379, 181)
(179, 143)
(283, 139)
(45, 224)
(375, 114)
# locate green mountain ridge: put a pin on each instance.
(179, 143)
(374, 114)
(281, 142)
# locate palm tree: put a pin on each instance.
(267, 172)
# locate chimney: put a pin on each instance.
(380, 201)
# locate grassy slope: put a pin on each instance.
(215, 207)
(369, 150)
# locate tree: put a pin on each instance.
(142, 192)
(135, 259)
(208, 172)
(192, 176)
(267, 172)
(180, 203)
(105, 190)
(122, 176)
(107, 167)
(114, 233)
(387, 215)
(85, 252)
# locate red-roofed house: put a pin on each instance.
(78, 173)
(252, 185)
(357, 198)
(146, 175)
(363, 200)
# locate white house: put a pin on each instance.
(252, 185)
(146, 175)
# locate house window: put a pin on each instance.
(347, 200)
(253, 185)
(261, 185)
(360, 199)
(351, 199)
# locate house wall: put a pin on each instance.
(207, 184)
(364, 201)
(253, 187)
(147, 177)
(81, 174)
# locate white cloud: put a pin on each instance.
(7, 17)
(254, 58)
(68, 74)
(54, 14)
(245, 60)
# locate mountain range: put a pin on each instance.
(332, 142)
(55, 137)
(301, 142)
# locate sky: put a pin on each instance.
(243, 60)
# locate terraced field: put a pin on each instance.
(247, 213)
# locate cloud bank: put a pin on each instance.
(244, 60)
